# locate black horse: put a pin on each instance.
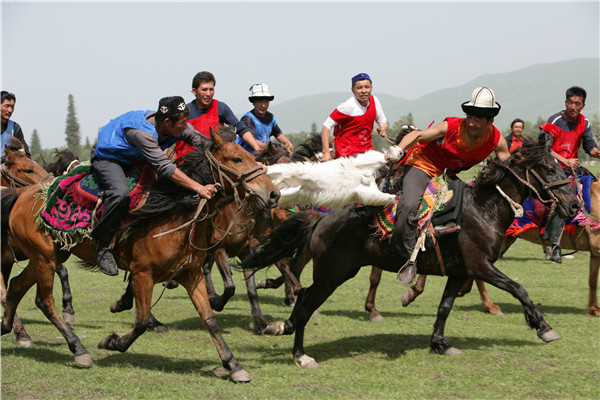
(342, 242)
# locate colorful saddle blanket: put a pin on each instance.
(446, 210)
(535, 215)
(71, 199)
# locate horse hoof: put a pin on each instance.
(274, 329)
(406, 300)
(84, 360)
(160, 329)
(107, 342)
(69, 318)
(494, 311)
(261, 284)
(27, 343)
(305, 361)
(376, 317)
(240, 376)
(550, 336)
(452, 351)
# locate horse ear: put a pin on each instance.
(9, 155)
(216, 139)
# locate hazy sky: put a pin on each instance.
(115, 57)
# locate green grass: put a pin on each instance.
(503, 358)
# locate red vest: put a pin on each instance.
(516, 144)
(450, 155)
(566, 143)
(202, 124)
(352, 135)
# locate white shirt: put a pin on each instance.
(353, 108)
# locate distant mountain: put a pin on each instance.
(529, 93)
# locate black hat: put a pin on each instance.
(171, 106)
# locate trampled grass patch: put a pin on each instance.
(502, 359)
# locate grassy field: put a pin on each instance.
(503, 358)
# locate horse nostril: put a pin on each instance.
(274, 197)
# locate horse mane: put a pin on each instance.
(308, 149)
(272, 153)
(527, 156)
(8, 197)
(13, 143)
(64, 158)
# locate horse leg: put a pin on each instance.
(23, 338)
(490, 274)
(259, 323)
(374, 279)
(207, 271)
(222, 260)
(196, 288)
(488, 305)
(507, 241)
(466, 288)
(67, 299)
(43, 270)
(142, 288)
(438, 342)
(270, 283)
(292, 285)
(126, 301)
(593, 309)
(415, 290)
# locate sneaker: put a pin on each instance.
(106, 262)
(556, 255)
(407, 273)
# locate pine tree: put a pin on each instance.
(35, 146)
(73, 136)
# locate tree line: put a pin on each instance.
(73, 135)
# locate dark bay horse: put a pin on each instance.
(168, 242)
(342, 242)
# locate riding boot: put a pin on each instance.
(106, 260)
(556, 254)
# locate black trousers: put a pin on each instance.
(414, 183)
(112, 180)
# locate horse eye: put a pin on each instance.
(29, 171)
(550, 171)
(237, 160)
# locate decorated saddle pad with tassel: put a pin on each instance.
(70, 200)
(535, 213)
(446, 211)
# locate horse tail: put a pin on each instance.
(285, 241)
(8, 198)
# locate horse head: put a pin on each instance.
(237, 172)
(66, 160)
(275, 153)
(18, 170)
(541, 176)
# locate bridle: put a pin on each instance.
(15, 181)
(241, 178)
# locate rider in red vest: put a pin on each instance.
(466, 142)
(565, 132)
(352, 121)
(514, 140)
(206, 112)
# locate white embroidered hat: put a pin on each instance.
(482, 104)
(260, 91)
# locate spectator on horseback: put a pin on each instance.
(565, 132)
(261, 123)
(10, 127)
(133, 137)
(206, 112)
(514, 139)
(352, 121)
(466, 142)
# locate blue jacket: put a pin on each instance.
(112, 143)
(262, 132)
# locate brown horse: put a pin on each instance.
(17, 171)
(168, 242)
(342, 242)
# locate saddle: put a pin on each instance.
(73, 201)
(441, 198)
